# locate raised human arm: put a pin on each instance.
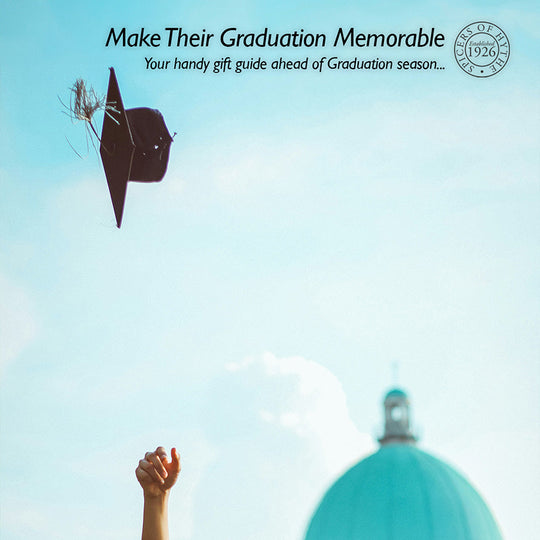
(157, 474)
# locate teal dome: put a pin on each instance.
(402, 493)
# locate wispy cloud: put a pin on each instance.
(314, 408)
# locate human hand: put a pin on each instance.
(156, 473)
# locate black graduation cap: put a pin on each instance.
(134, 146)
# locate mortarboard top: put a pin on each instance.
(135, 146)
(116, 148)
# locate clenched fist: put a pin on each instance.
(156, 473)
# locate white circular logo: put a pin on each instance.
(482, 49)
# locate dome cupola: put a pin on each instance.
(397, 428)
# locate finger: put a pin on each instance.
(162, 454)
(143, 477)
(149, 468)
(154, 459)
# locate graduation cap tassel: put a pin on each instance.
(84, 102)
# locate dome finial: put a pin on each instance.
(397, 428)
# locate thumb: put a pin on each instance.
(175, 460)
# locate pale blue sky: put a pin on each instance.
(311, 230)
